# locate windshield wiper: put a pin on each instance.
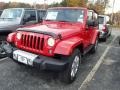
(49, 20)
(62, 21)
(56, 20)
(6, 18)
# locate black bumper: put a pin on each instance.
(41, 62)
(104, 35)
(47, 63)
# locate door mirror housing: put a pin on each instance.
(92, 23)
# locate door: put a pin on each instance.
(92, 29)
(41, 14)
(30, 17)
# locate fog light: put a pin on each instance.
(50, 51)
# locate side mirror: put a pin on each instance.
(92, 23)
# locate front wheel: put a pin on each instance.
(71, 71)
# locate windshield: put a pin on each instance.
(11, 13)
(68, 15)
(101, 20)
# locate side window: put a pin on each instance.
(95, 17)
(31, 15)
(90, 15)
(41, 14)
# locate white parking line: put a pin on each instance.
(3, 59)
(117, 47)
(96, 67)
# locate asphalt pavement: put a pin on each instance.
(107, 76)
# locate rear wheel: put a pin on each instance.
(71, 71)
(104, 39)
(119, 40)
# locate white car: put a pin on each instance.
(104, 27)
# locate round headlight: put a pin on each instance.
(51, 42)
(18, 35)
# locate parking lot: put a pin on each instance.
(103, 66)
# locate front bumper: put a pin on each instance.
(103, 35)
(47, 63)
(41, 62)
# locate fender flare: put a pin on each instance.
(66, 47)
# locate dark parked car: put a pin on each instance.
(104, 27)
(0, 12)
(13, 18)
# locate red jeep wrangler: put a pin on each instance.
(65, 35)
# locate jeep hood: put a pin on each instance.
(64, 29)
(7, 25)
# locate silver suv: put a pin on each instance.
(104, 27)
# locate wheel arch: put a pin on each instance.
(67, 47)
(80, 47)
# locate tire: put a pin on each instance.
(21, 64)
(104, 39)
(2, 52)
(3, 37)
(119, 41)
(94, 48)
(110, 34)
(72, 69)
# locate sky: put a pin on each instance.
(108, 10)
(32, 1)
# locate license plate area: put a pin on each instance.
(24, 57)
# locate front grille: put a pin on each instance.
(32, 42)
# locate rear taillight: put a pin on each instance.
(11, 37)
(104, 28)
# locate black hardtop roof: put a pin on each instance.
(74, 8)
(93, 10)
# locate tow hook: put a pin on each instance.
(5, 49)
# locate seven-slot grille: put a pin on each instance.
(33, 42)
